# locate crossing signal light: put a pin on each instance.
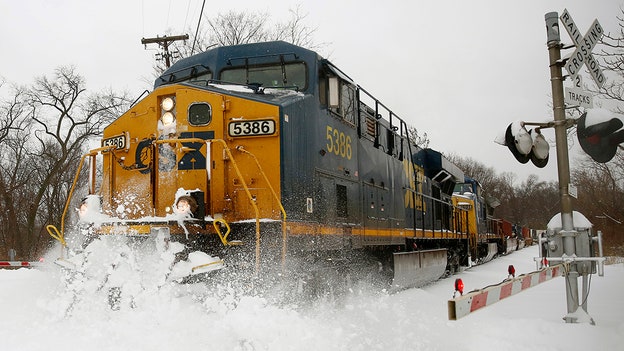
(527, 145)
(600, 140)
(539, 149)
(519, 142)
(459, 287)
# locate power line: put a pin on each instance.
(198, 22)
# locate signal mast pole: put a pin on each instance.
(567, 233)
(164, 43)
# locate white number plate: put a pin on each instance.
(251, 128)
(119, 141)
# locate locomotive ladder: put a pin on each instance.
(60, 234)
(240, 148)
(252, 200)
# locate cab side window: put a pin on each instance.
(341, 99)
(347, 103)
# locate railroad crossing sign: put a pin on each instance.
(575, 96)
(584, 46)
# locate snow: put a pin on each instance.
(90, 211)
(247, 89)
(170, 316)
(579, 220)
(524, 142)
(600, 115)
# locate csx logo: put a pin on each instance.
(194, 159)
(413, 193)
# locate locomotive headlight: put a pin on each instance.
(167, 104)
(168, 112)
(167, 118)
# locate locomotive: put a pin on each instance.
(286, 162)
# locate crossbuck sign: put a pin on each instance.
(584, 45)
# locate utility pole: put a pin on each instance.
(563, 165)
(163, 42)
(574, 245)
(571, 244)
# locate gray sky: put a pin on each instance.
(461, 71)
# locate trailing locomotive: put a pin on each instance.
(284, 160)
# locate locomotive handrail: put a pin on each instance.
(386, 108)
(218, 230)
(91, 153)
(238, 173)
(54, 233)
(279, 203)
(140, 96)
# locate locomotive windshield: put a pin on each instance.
(201, 79)
(287, 75)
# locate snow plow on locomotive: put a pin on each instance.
(265, 156)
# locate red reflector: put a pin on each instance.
(459, 286)
(594, 139)
(511, 270)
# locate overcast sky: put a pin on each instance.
(461, 71)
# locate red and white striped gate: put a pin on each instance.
(466, 304)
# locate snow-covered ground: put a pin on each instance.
(34, 308)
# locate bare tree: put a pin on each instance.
(13, 131)
(537, 202)
(56, 119)
(419, 140)
(474, 169)
(233, 28)
(532, 203)
(601, 200)
(611, 56)
(12, 111)
(243, 27)
(296, 31)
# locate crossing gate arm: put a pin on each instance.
(18, 264)
(477, 299)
